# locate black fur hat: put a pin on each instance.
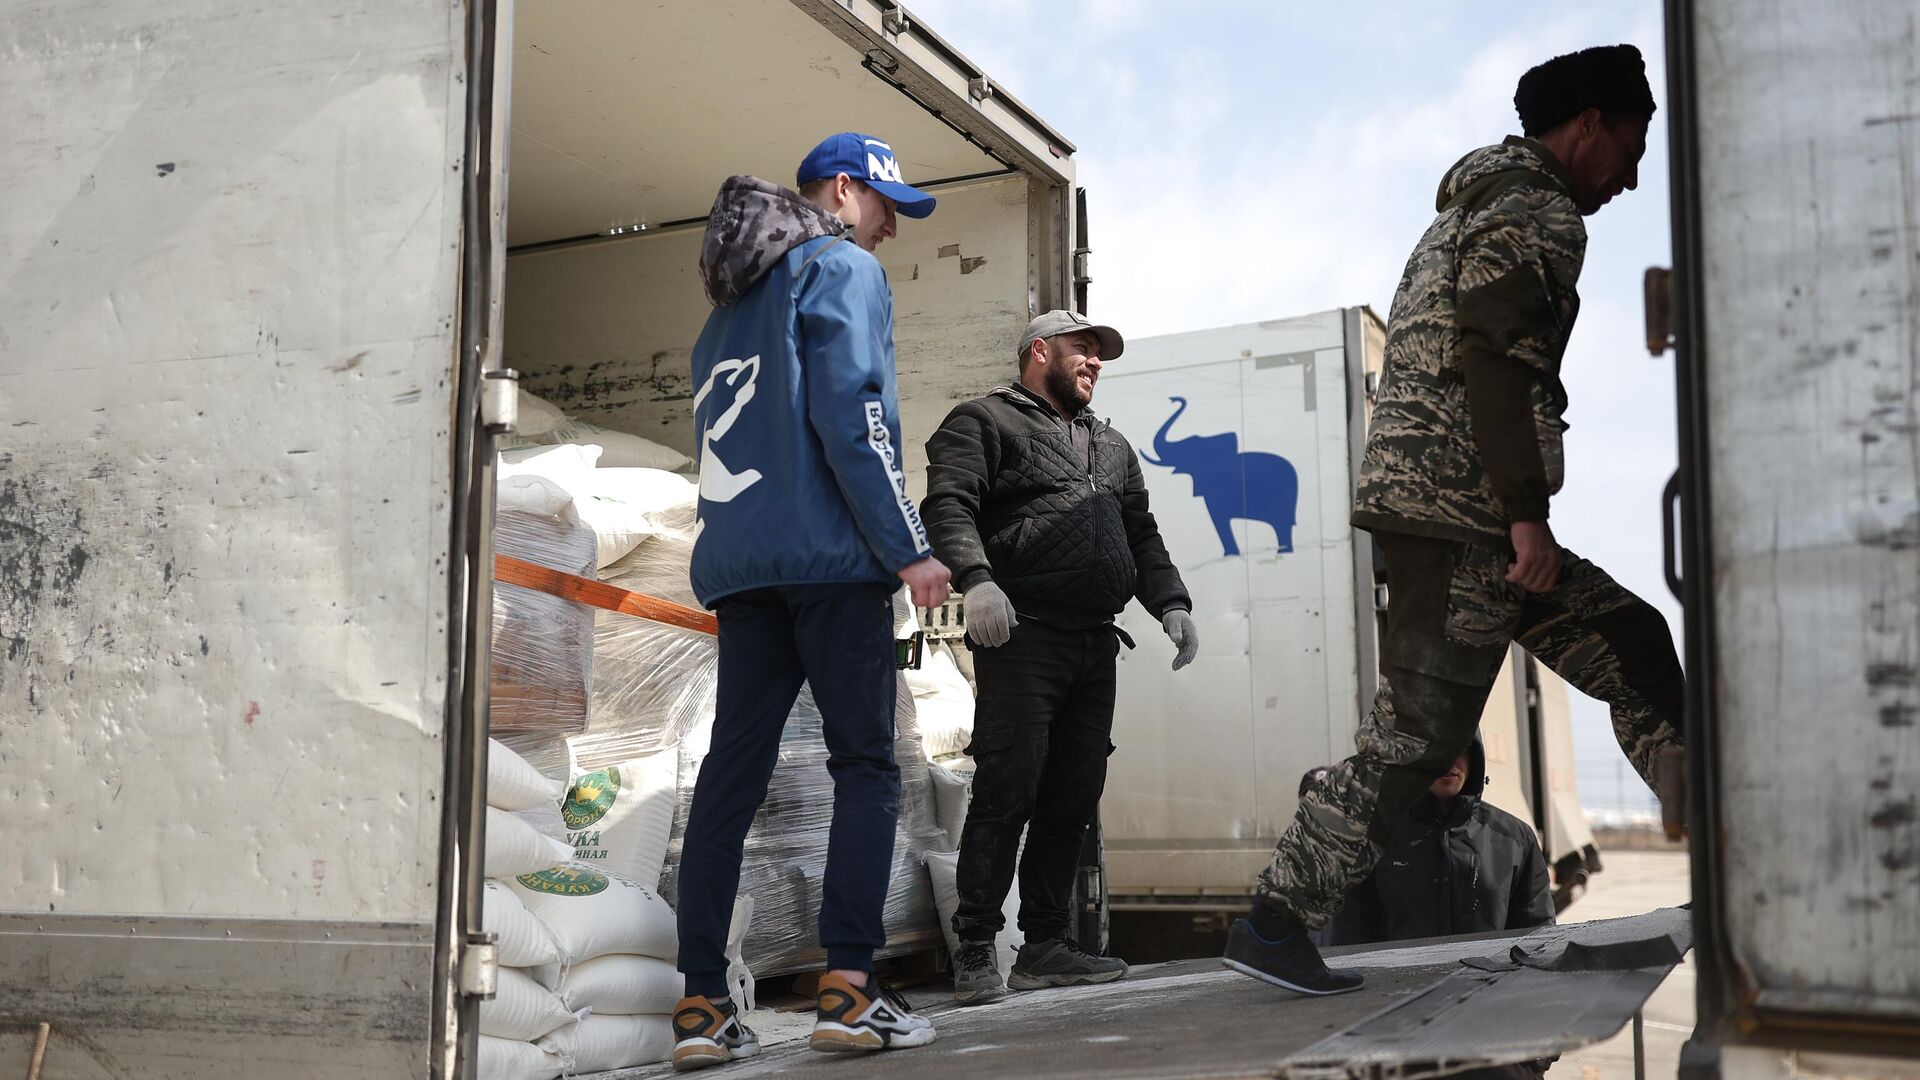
(1611, 78)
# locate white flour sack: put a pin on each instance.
(521, 1009)
(524, 943)
(512, 784)
(952, 792)
(604, 1043)
(506, 1059)
(592, 912)
(515, 847)
(943, 867)
(621, 985)
(620, 818)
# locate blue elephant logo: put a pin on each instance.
(1249, 486)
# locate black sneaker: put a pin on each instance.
(707, 1034)
(1291, 962)
(976, 974)
(1060, 962)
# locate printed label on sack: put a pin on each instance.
(566, 881)
(590, 797)
(586, 846)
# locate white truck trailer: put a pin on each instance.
(253, 269)
(1250, 438)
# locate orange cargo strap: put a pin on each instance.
(599, 594)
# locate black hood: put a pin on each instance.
(1470, 791)
(1476, 784)
(754, 223)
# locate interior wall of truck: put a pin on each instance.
(618, 146)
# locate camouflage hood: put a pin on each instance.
(1514, 155)
(1491, 287)
(754, 224)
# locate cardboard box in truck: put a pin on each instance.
(1250, 439)
(253, 277)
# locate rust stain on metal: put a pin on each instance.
(1893, 815)
(1883, 675)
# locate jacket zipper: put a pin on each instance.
(1093, 442)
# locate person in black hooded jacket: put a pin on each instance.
(1456, 864)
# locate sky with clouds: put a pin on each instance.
(1255, 160)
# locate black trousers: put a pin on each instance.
(1041, 736)
(839, 640)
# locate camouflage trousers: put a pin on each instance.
(1450, 616)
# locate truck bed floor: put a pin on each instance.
(1192, 1019)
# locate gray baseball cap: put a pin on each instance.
(1055, 323)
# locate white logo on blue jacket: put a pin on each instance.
(717, 482)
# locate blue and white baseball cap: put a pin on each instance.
(864, 157)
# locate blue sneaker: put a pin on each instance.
(1291, 962)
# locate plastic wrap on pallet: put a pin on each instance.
(653, 684)
(543, 750)
(542, 646)
(654, 688)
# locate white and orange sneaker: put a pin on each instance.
(707, 1034)
(853, 1019)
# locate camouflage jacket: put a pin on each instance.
(1466, 430)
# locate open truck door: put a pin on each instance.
(1794, 304)
(246, 281)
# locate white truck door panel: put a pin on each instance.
(229, 283)
(1209, 757)
(1798, 279)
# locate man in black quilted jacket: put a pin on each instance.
(1039, 509)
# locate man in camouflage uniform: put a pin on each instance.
(1462, 457)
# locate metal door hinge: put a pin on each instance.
(500, 400)
(1658, 286)
(1670, 770)
(893, 19)
(479, 966)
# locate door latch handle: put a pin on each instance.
(1669, 540)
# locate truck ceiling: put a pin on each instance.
(624, 114)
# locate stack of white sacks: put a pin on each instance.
(587, 980)
(652, 702)
(588, 946)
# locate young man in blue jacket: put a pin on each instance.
(805, 533)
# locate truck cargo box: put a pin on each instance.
(253, 279)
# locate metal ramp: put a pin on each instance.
(1428, 1009)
